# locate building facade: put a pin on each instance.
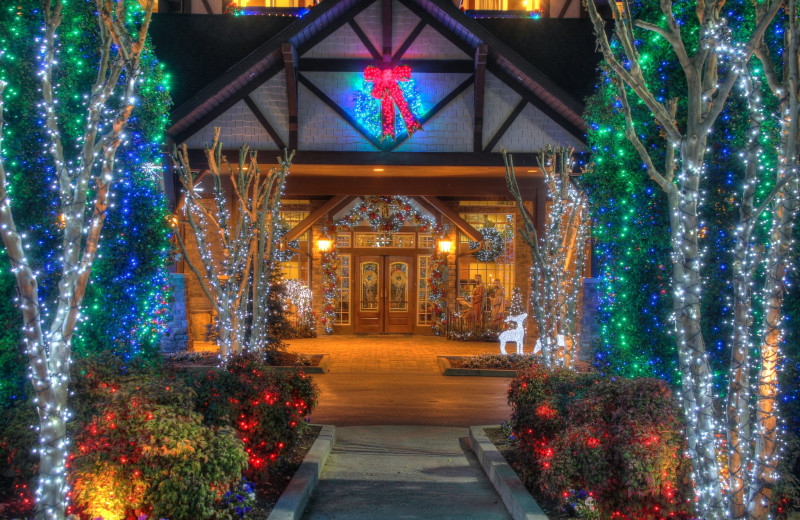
(345, 83)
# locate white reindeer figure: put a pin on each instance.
(516, 335)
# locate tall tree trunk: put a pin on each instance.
(696, 379)
(738, 401)
(766, 456)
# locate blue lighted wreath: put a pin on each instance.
(494, 245)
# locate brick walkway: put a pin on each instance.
(387, 353)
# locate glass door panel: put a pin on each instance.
(398, 288)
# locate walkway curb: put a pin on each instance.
(294, 499)
(516, 498)
(447, 370)
(323, 367)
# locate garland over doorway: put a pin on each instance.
(385, 214)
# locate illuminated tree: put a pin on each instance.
(127, 295)
(89, 174)
(237, 244)
(711, 65)
(558, 256)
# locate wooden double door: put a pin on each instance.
(384, 294)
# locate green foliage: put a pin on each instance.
(146, 451)
(279, 326)
(18, 463)
(618, 439)
(500, 361)
(267, 408)
(630, 211)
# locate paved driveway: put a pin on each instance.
(394, 380)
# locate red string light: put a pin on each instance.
(386, 89)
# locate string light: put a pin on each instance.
(558, 256)
(629, 199)
(48, 333)
(237, 282)
(376, 114)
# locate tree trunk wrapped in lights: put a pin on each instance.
(238, 283)
(558, 258)
(90, 173)
(751, 438)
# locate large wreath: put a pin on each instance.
(368, 109)
(494, 244)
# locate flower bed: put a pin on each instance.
(211, 359)
(495, 361)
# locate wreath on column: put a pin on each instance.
(493, 245)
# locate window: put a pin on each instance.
(384, 240)
(272, 3)
(295, 267)
(502, 5)
(342, 316)
(502, 268)
(424, 316)
(426, 241)
(343, 240)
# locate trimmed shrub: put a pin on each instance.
(617, 439)
(147, 452)
(267, 408)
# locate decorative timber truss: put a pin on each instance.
(289, 60)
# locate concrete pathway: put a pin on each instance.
(403, 473)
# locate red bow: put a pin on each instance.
(388, 91)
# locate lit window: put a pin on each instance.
(502, 268)
(342, 316)
(424, 314)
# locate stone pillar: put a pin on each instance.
(590, 324)
(176, 337)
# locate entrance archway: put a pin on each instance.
(384, 256)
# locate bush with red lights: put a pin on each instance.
(146, 452)
(618, 439)
(268, 408)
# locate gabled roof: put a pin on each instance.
(199, 48)
(563, 49)
(214, 58)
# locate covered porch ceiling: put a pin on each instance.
(385, 179)
(321, 174)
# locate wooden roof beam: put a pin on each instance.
(290, 69)
(386, 15)
(334, 202)
(481, 53)
(264, 121)
(451, 214)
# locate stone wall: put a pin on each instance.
(590, 321)
(176, 337)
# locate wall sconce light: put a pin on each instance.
(324, 245)
(445, 246)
